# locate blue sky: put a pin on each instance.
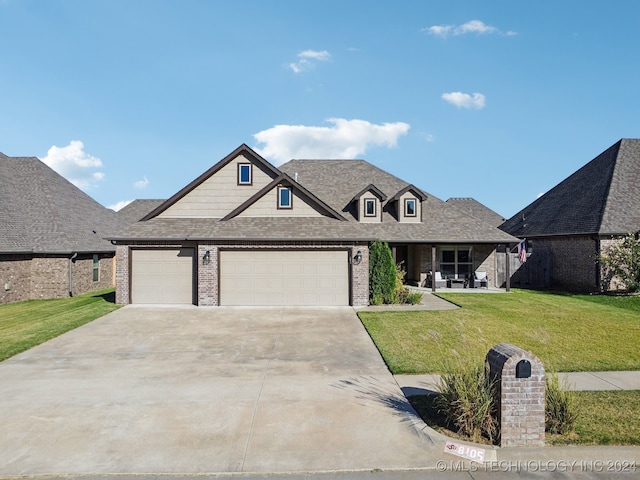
(497, 100)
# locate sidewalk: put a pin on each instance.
(577, 381)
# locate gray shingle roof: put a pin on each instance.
(603, 197)
(335, 182)
(472, 207)
(137, 209)
(42, 212)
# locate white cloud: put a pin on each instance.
(429, 137)
(464, 100)
(141, 183)
(120, 205)
(345, 139)
(472, 26)
(540, 194)
(307, 60)
(76, 165)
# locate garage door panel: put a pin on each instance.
(284, 277)
(162, 276)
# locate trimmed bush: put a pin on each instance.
(382, 273)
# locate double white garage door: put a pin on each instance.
(246, 277)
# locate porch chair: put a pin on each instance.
(481, 280)
(440, 282)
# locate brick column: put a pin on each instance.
(521, 395)
(360, 277)
(207, 276)
(122, 274)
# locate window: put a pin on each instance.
(369, 207)
(410, 207)
(284, 197)
(244, 174)
(96, 267)
(456, 262)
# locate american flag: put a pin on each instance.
(522, 251)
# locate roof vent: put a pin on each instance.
(295, 176)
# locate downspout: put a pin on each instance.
(72, 260)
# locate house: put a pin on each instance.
(248, 233)
(51, 234)
(567, 228)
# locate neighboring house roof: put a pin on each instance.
(137, 209)
(603, 197)
(42, 212)
(472, 207)
(332, 186)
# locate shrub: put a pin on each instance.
(560, 406)
(382, 273)
(621, 260)
(414, 298)
(467, 400)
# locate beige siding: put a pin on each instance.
(219, 194)
(284, 277)
(401, 215)
(361, 210)
(162, 276)
(267, 206)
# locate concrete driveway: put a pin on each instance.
(206, 390)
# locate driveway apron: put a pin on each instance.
(152, 390)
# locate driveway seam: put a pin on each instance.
(264, 379)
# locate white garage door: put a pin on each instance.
(284, 277)
(162, 276)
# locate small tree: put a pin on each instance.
(621, 260)
(382, 273)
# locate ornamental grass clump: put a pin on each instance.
(468, 401)
(560, 406)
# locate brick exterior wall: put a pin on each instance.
(573, 261)
(25, 277)
(122, 275)
(610, 284)
(207, 275)
(521, 401)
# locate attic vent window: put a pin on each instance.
(284, 197)
(369, 207)
(244, 174)
(410, 207)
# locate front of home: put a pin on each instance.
(248, 233)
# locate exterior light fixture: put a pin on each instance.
(206, 259)
(358, 258)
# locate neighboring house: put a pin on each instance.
(472, 207)
(567, 228)
(51, 234)
(248, 233)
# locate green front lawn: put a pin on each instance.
(567, 332)
(26, 324)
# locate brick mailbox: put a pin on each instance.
(520, 382)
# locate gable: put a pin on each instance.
(267, 206)
(220, 192)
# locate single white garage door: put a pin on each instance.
(162, 276)
(271, 277)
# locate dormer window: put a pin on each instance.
(244, 174)
(369, 207)
(284, 197)
(410, 207)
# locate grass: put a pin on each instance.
(604, 418)
(24, 325)
(568, 333)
